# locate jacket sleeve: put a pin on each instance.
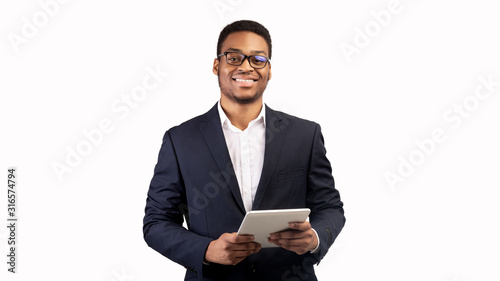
(165, 205)
(327, 213)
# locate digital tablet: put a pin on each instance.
(261, 224)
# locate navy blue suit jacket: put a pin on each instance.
(194, 179)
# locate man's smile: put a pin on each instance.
(244, 81)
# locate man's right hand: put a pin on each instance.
(230, 249)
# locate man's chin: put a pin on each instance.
(246, 99)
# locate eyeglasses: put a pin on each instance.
(234, 58)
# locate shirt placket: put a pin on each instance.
(246, 176)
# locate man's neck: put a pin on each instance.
(241, 114)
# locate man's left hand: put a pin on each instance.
(300, 239)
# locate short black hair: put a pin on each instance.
(244, 25)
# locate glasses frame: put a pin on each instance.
(244, 58)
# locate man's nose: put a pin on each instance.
(245, 66)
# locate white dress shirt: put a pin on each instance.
(246, 149)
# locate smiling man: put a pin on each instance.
(240, 156)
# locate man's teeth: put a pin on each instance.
(244, 80)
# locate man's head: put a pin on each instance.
(243, 83)
(244, 25)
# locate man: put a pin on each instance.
(241, 156)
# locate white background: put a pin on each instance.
(441, 223)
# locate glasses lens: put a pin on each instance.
(237, 59)
(258, 61)
(234, 58)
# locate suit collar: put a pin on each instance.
(275, 137)
(211, 130)
(224, 119)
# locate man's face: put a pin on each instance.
(243, 92)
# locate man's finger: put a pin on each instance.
(300, 225)
(279, 242)
(241, 238)
(288, 234)
(246, 247)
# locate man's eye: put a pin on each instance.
(258, 60)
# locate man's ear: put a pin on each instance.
(269, 77)
(215, 68)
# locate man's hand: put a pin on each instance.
(300, 239)
(231, 248)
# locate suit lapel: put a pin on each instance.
(275, 136)
(211, 130)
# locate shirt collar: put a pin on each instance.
(223, 117)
